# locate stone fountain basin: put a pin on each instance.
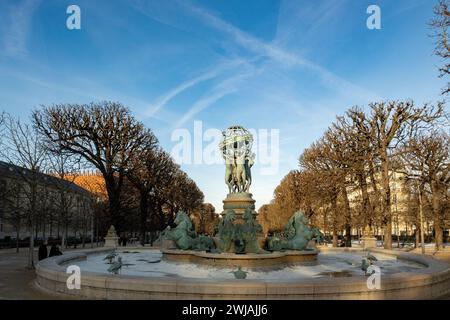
(431, 281)
(248, 260)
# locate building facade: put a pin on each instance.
(59, 205)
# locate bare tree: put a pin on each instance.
(13, 199)
(65, 167)
(24, 149)
(391, 123)
(105, 134)
(45, 207)
(330, 181)
(150, 171)
(2, 126)
(355, 139)
(440, 24)
(205, 219)
(428, 161)
(346, 155)
(182, 194)
(358, 154)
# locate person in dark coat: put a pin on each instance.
(54, 251)
(42, 254)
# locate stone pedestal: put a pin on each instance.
(369, 242)
(168, 244)
(111, 242)
(312, 244)
(239, 202)
(111, 239)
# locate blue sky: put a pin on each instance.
(287, 65)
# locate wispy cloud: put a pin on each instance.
(208, 75)
(51, 86)
(16, 33)
(202, 104)
(311, 16)
(278, 54)
(224, 88)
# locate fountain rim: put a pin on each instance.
(429, 282)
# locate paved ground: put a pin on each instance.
(17, 281)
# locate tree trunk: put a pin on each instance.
(92, 227)
(66, 231)
(143, 207)
(114, 202)
(43, 230)
(152, 237)
(366, 206)
(437, 221)
(96, 232)
(348, 218)
(31, 248)
(335, 238)
(17, 239)
(387, 214)
(32, 222)
(334, 211)
(376, 192)
(83, 240)
(36, 230)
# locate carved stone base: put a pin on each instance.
(239, 202)
(168, 244)
(312, 244)
(369, 242)
(111, 239)
(111, 242)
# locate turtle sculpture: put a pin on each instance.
(296, 236)
(366, 262)
(116, 266)
(184, 236)
(239, 273)
(371, 257)
(110, 257)
(364, 265)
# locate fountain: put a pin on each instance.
(239, 242)
(239, 262)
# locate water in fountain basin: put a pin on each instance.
(329, 264)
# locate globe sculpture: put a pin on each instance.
(236, 147)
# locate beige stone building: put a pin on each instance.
(399, 201)
(14, 204)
